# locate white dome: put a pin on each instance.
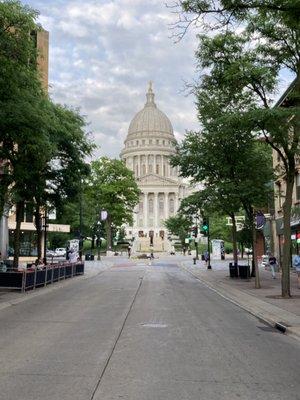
(150, 119)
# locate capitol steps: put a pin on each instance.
(142, 245)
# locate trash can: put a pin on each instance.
(244, 271)
(233, 270)
(88, 257)
(92, 257)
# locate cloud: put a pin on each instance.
(102, 55)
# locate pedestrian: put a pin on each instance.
(272, 263)
(206, 256)
(296, 264)
(129, 251)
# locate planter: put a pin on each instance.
(31, 279)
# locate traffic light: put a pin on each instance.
(195, 231)
(205, 227)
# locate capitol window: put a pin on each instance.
(143, 142)
(137, 142)
(157, 168)
(150, 141)
(157, 141)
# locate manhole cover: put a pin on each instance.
(151, 325)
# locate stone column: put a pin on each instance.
(166, 210)
(162, 165)
(145, 206)
(155, 209)
(136, 216)
(140, 166)
(147, 163)
(176, 203)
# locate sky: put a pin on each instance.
(103, 53)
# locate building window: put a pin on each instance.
(157, 169)
(157, 141)
(164, 170)
(143, 142)
(298, 187)
(163, 142)
(150, 141)
(137, 142)
(150, 168)
(144, 169)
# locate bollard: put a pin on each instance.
(194, 259)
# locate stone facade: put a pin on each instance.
(149, 144)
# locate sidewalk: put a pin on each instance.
(265, 303)
(12, 297)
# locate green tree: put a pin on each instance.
(180, 226)
(112, 187)
(235, 168)
(43, 145)
(249, 64)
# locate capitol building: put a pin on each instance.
(147, 149)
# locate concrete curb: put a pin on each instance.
(266, 314)
(49, 289)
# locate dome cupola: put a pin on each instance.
(150, 120)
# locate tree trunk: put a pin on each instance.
(286, 259)
(254, 255)
(19, 215)
(38, 227)
(234, 240)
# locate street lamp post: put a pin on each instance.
(45, 226)
(208, 244)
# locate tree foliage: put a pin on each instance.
(250, 42)
(179, 225)
(112, 187)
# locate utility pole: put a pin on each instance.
(208, 244)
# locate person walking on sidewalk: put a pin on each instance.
(296, 264)
(272, 263)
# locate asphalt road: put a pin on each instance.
(142, 333)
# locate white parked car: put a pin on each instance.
(60, 252)
(50, 253)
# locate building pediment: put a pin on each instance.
(157, 180)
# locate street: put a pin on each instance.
(141, 332)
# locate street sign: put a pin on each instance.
(260, 220)
(103, 215)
